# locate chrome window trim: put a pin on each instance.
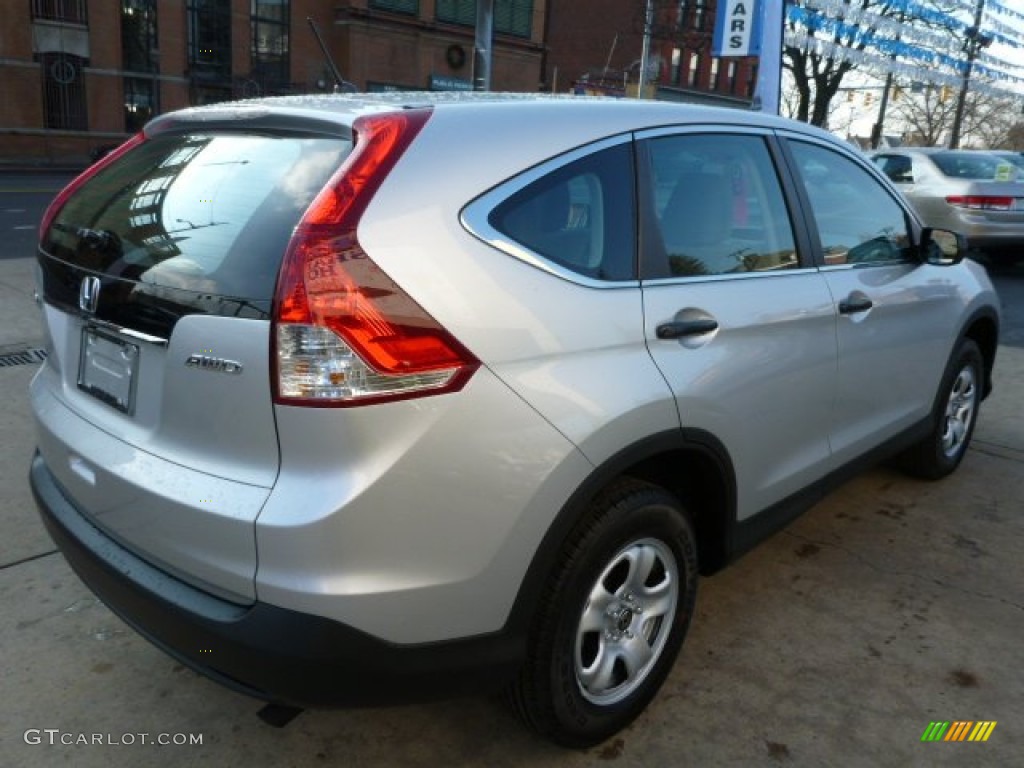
(691, 279)
(705, 128)
(869, 265)
(474, 217)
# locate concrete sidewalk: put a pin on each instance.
(892, 604)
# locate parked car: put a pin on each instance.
(355, 399)
(1017, 158)
(976, 193)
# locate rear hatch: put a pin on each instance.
(158, 273)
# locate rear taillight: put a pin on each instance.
(981, 202)
(62, 197)
(344, 332)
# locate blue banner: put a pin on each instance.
(737, 29)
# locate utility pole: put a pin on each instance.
(974, 41)
(878, 127)
(645, 51)
(482, 45)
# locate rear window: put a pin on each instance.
(968, 165)
(210, 214)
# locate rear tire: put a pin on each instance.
(613, 618)
(955, 415)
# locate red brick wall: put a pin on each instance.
(22, 103)
(581, 33)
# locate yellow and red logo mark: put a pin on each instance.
(958, 730)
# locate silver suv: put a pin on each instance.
(355, 399)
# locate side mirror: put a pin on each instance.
(941, 247)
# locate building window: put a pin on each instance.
(410, 7)
(511, 17)
(692, 13)
(270, 27)
(209, 39)
(138, 36)
(72, 11)
(64, 92)
(713, 80)
(691, 77)
(751, 79)
(730, 74)
(140, 102)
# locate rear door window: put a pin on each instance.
(209, 214)
(718, 207)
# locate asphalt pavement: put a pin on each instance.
(891, 605)
(23, 198)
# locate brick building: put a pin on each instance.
(78, 74)
(596, 45)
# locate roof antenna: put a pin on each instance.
(340, 84)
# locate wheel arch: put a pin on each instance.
(691, 464)
(983, 329)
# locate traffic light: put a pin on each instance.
(849, 97)
(945, 94)
(867, 99)
(897, 91)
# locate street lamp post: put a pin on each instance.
(974, 41)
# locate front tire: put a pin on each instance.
(956, 413)
(613, 618)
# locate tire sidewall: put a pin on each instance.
(657, 520)
(967, 354)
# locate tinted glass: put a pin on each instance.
(968, 165)
(580, 216)
(858, 220)
(210, 214)
(896, 167)
(718, 206)
(1012, 157)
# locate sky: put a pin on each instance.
(1005, 18)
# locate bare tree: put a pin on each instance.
(817, 77)
(988, 119)
(927, 115)
(989, 122)
(1015, 137)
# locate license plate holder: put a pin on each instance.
(108, 368)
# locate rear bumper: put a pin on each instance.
(268, 652)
